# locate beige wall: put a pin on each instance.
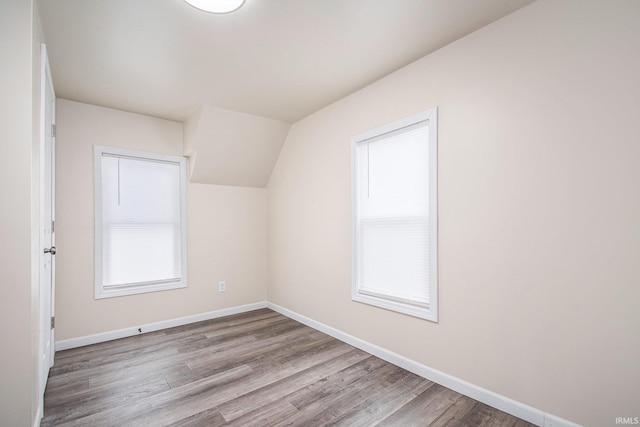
(15, 216)
(226, 230)
(538, 207)
(20, 38)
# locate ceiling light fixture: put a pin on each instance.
(216, 6)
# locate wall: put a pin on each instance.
(538, 210)
(226, 230)
(15, 182)
(20, 38)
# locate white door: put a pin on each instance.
(47, 222)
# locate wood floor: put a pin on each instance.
(252, 369)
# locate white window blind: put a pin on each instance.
(139, 222)
(394, 230)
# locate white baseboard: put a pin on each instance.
(503, 403)
(553, 421)
(150, 327)
(38, 418)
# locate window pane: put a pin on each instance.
(140, 221)
(393, 258)
(137, 253)
(395, 173)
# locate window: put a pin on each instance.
(140, 222)
(394, 196)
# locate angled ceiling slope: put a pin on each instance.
(249, 73)
(282, 59)
(230, 148)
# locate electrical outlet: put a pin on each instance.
(222, 286)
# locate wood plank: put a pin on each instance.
(426, 407)
(138, 411)
(484, 416)
(209, 417)
(455, 414)
(267, 415)
(392, 397)
(283, 388)
(321, 404)
(85, 403)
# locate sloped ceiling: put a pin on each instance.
(281, 59)
(269, 63)
(230, 148)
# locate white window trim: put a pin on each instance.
(430, 312)
(100, 292)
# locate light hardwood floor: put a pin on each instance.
(253, 369)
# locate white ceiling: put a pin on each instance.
(280, 59)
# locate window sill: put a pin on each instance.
(410, 310)
(139, 289)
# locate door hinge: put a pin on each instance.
(53, 130)
(53, 322)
